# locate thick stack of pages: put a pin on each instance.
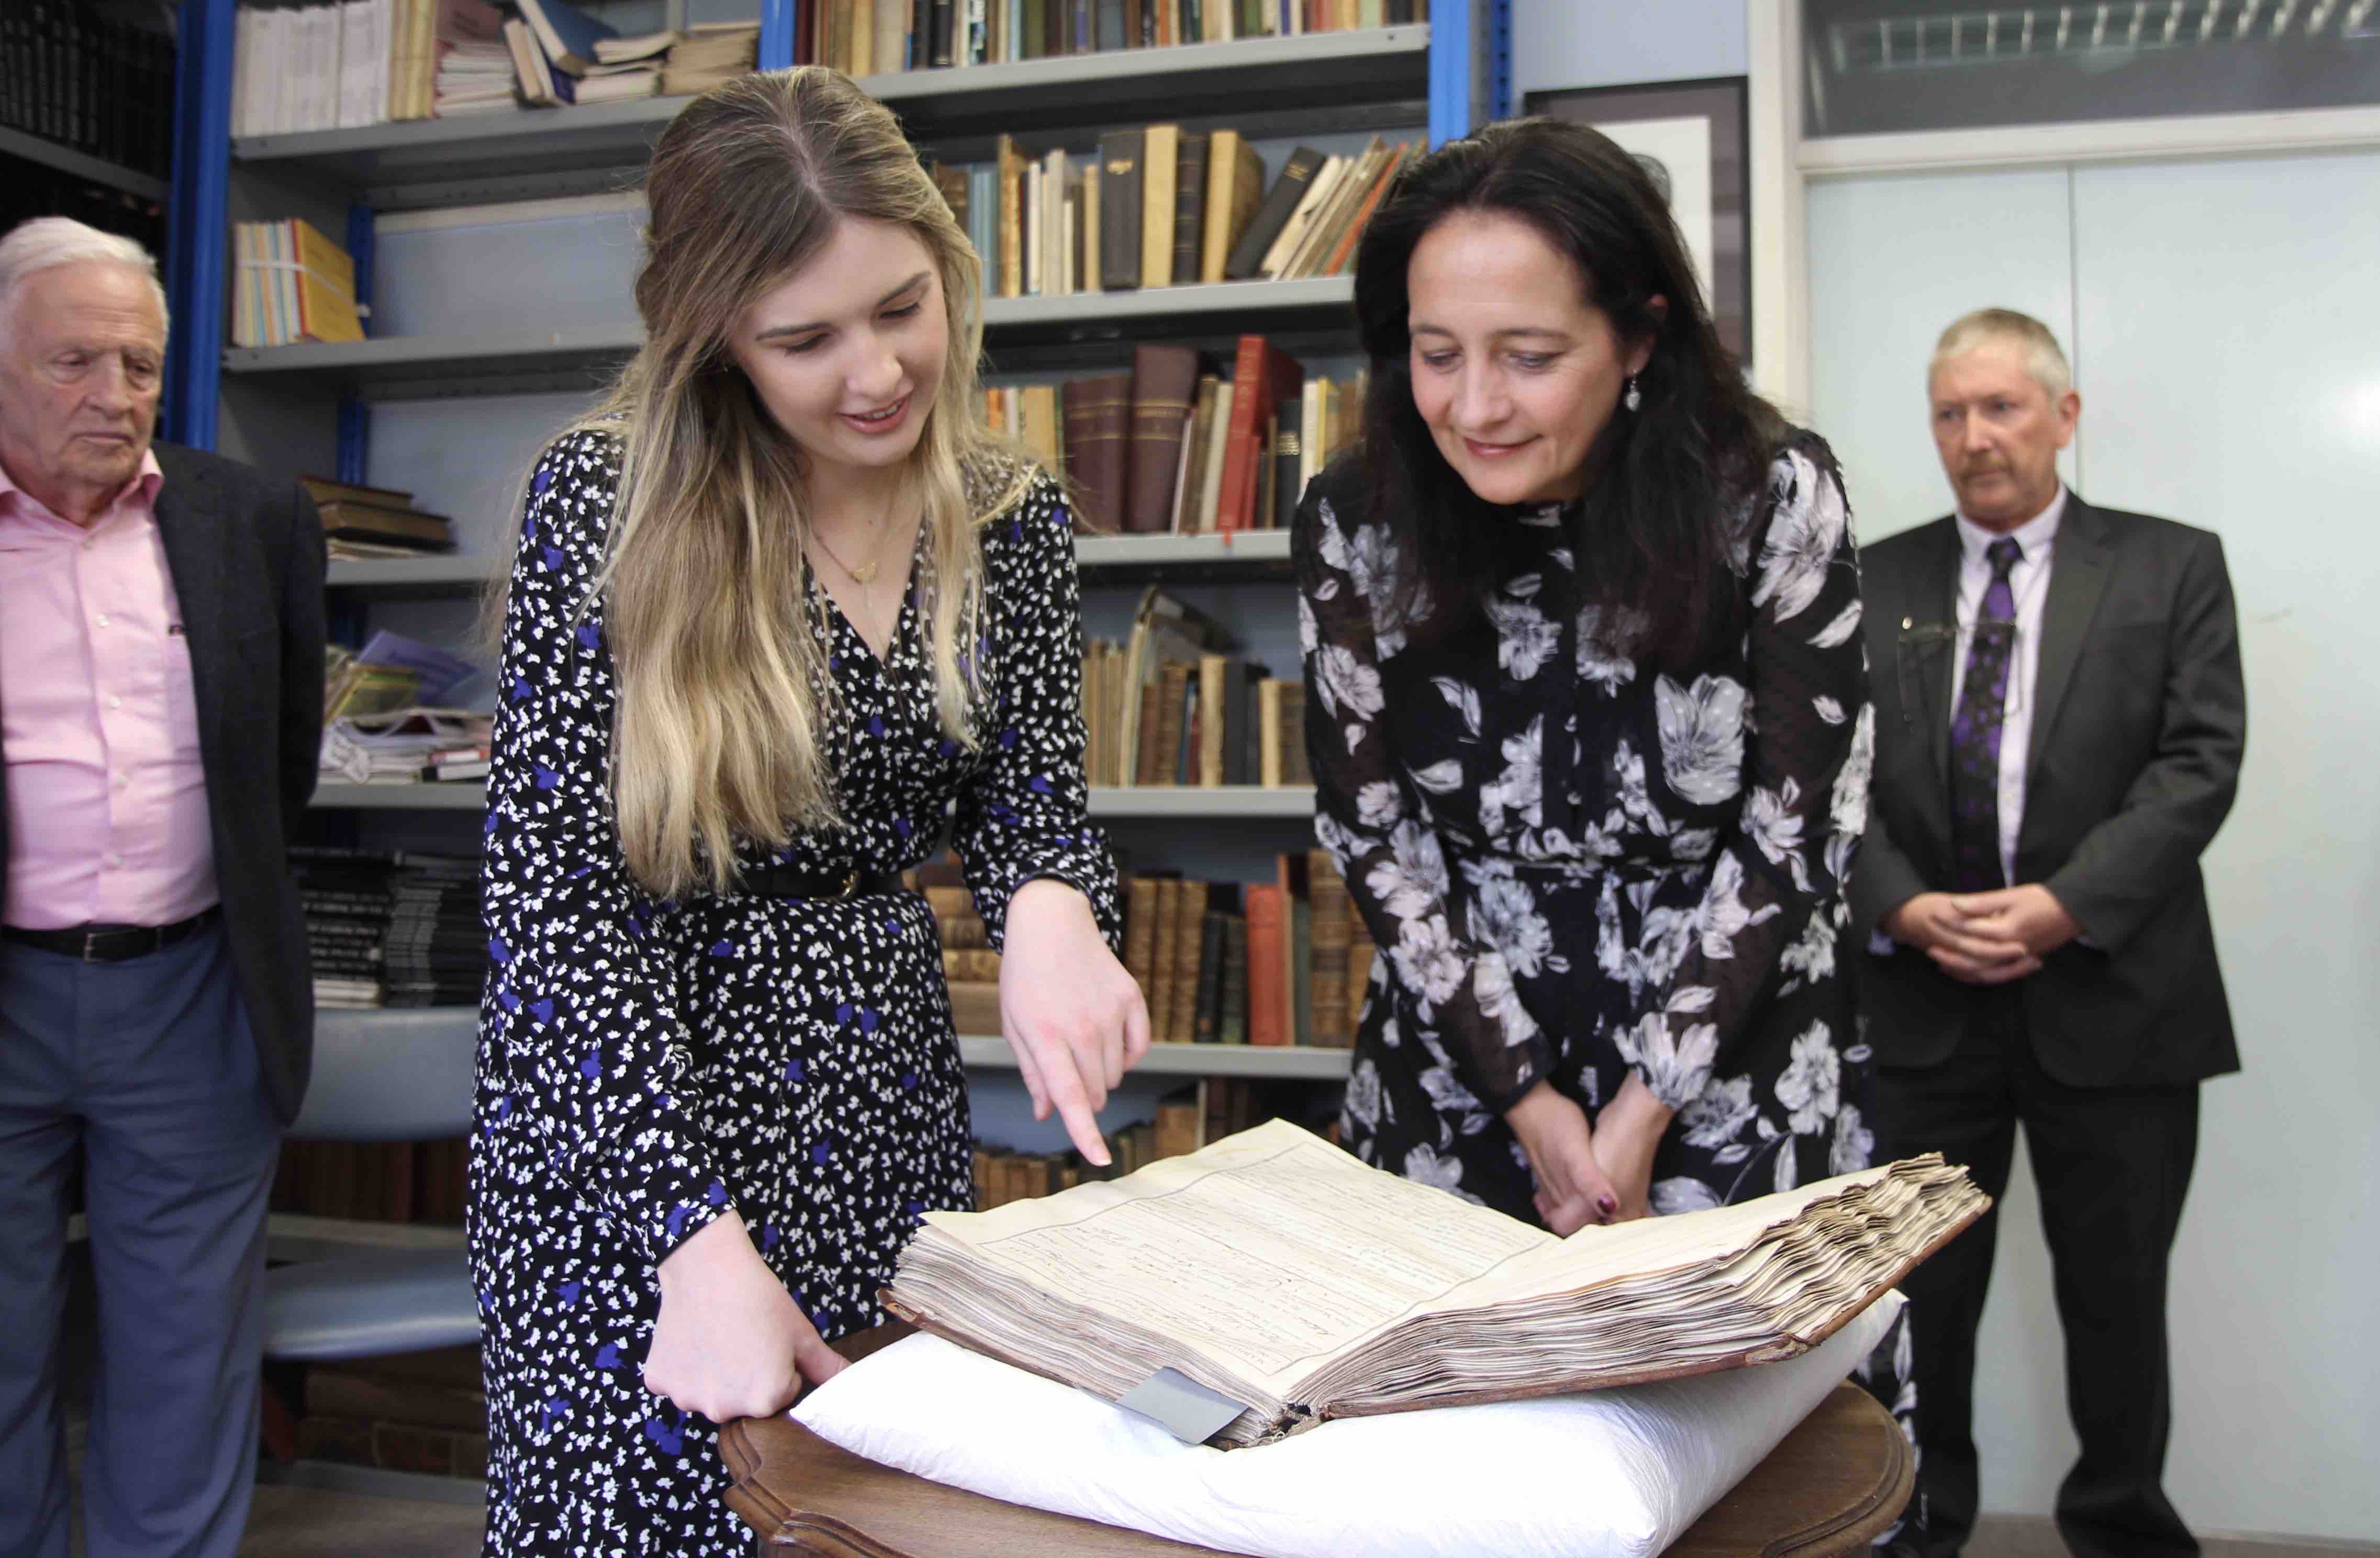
(1277, 1269)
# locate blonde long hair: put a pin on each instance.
(725, 698)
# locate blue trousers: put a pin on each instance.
(145, 1073)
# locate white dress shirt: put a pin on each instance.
(2029, 582)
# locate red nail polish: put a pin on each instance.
(1609, 1204)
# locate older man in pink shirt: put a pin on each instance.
(161, 673)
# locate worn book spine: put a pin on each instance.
(1269, 766)
(1202, 429)
(1189, 207)
(1204, 1028)
(1192, 911)
(1267, 964)
(1098, 413)
(1122, 184)
(1163, 380)
(1164, 958)
(1273, 266)
(1145, 762)
(1232, 1002)
(1294, 768)
(1237, 499)
(1160, 164)
(1214, 673)
(1012, 218)
(1239, 759)
(1210, 485)
(1289, 455)
(1173, 680)
(1271, 216)
(1140, 932)
(1332, 931)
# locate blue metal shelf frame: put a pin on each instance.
(354, 415)
(776, 34)
(1470, 65)
(197, 218)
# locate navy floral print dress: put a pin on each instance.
(648, 1066)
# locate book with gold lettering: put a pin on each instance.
(1277, 1271)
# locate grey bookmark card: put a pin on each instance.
(1181, 1406)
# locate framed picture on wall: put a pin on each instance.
(1691, 136)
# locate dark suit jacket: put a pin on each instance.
(2138, 722)
(245, 555)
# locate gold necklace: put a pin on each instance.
(863, 576)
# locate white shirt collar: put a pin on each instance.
(2033, 535)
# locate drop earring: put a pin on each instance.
(1635, 397)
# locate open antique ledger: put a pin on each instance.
(1281, 1271)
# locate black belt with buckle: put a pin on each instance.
(112, 944)
(796, 881)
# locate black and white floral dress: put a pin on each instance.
(1578, 866)
(648, 1066)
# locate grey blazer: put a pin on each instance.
(2139, 723)
(246, 556)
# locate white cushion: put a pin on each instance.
(1610, 1474)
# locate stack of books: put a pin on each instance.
(475, 77)
(291, 285)
(437, 953)
(878, 37)
(345, 895)
(369, 522)
(709, 54)
(364, 62)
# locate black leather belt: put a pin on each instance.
(112, 944)
(799, 881)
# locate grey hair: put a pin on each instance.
(47, 242)
(2045, 361)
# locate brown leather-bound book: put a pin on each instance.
(1273, 215)
(1333, 930)
(978, 966)
(1294, 769)
(1191, 913)
(1189, 207)
(1099, 415)
(371, 521)
(1234, 190)
(1011, 184)
(1122, 179)
(1145, 770)
(1163, 960)
(1163, 382)
(1140, 932)
(1173, 685)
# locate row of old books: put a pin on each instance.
(876, 37)
(291, 283)
(1284, 963)
(1221, 719)
(1172, 447)
(416, 1182)
(562, 55)
(92, 82)
(1160, 206)
(420, 1412)
(1186, 1119)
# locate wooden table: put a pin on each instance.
(1831, 1486)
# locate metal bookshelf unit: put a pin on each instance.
(308, 408)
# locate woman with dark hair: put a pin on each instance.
(1588, 709)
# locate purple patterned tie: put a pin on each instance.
(1975, 732)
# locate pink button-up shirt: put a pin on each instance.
(107, 799)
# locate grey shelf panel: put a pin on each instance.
(1258, 552)
(81, 165)
(508, 362)
(573, 150)
(1221, 802)
(451, 796)
(1278, 1062)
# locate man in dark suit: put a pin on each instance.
(2059, 722)
(161, 688)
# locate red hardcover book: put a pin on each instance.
(1268, 966)
(1261, 374)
